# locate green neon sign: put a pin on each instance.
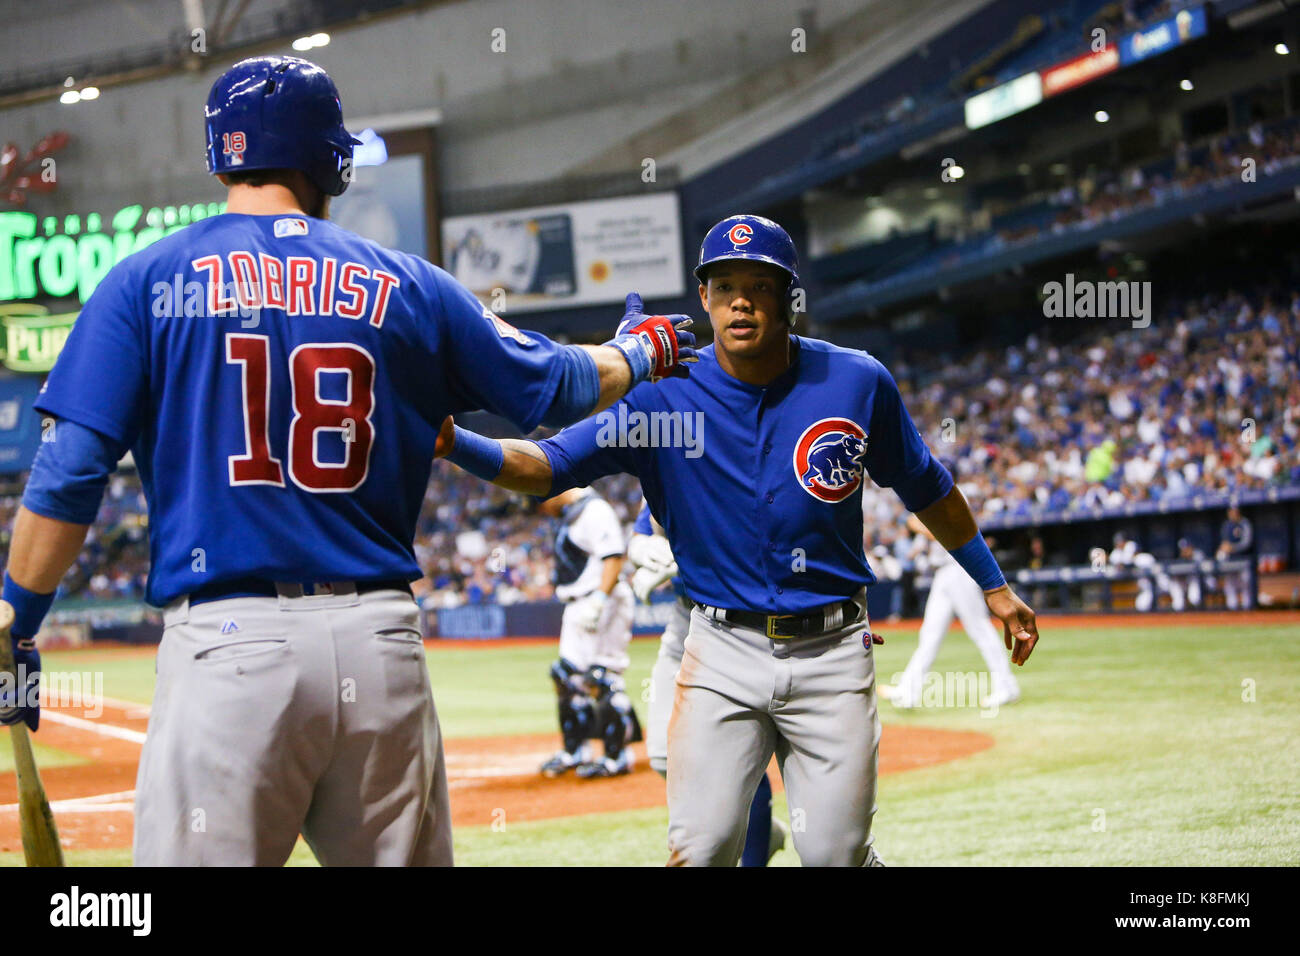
(33, 338)
(53, 257)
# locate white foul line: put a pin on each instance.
(100, 803)
(95, 726)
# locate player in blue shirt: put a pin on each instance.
(754, 467)
(280, 382)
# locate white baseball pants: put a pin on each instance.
(953, 593)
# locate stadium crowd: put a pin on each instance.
(1100, 196)
(1204, 400)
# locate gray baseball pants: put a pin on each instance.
(740, 698)
(287, 715)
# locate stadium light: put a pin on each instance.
(955, 173)
(1186, 86)
(303, 44)
(1281, 49)
(1101, 116)
(90, 93)
(69, 97)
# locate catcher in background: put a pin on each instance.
(594, 634)
(952, 593)
(652, 556)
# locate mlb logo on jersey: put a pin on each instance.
(739, 234)
(828, 458)
(290, 227)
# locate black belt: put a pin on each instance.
(260, 587)
(832, 617)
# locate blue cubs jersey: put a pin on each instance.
(281, 382)
(759, 488)
(642, 524)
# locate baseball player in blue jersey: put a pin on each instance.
(652, 555)
(281, 382)
(763, 513)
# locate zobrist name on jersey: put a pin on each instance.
(36, 258)
(241, 282)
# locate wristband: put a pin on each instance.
(639, 359)
(481, 457)
(29, 607)
(977, 560)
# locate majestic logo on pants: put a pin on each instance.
(828, 458)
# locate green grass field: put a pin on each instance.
(1160, 745)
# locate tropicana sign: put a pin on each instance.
(38, 258)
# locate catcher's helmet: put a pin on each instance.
(758, 240)
(279, 112)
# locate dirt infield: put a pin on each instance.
(488, 776)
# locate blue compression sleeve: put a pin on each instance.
(70, 471)
(481, 457)
(579, 389)
(977, 560)
(29, 607)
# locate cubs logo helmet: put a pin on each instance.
(758, 240)
(279, 112)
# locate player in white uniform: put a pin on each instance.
(952, 593)
(1150, 576)
(594, 634)
(1184, 589)
(652, 557)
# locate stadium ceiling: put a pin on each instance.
(227, 26)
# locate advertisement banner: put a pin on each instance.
(1080, 70)
(551, 257)
(1163, 36)
(1003, 101)
(387, 204)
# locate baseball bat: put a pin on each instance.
(41, 844)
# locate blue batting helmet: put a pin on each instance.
(279, 112)
(757, 240)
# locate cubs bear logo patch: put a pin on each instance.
(828, 458)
